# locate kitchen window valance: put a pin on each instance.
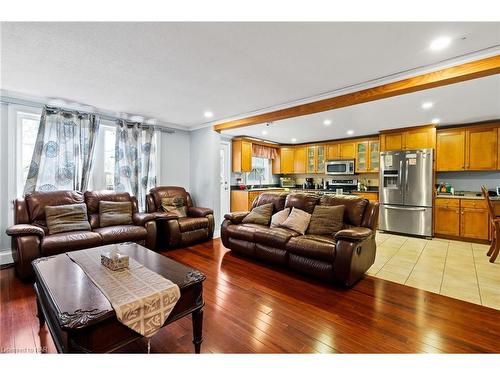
(260, 151)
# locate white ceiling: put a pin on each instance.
(466, 102)
(173, 72)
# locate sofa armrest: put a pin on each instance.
(25, 230)
(199, 211)
(142, 218)
(236, 217)
(353, 234)
(165, 216)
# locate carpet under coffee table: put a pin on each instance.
(81, 319)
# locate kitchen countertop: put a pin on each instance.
(465, 197)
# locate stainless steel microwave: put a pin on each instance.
(339, 167)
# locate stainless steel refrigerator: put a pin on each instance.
(406, 189)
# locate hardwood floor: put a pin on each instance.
(252, 308)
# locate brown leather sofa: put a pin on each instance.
(342, 258)
(176, 231)
(32, 240)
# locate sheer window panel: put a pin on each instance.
(261, 172)
(27, 131)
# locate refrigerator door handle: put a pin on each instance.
(405, 208)
(400, 175)
(406, 175)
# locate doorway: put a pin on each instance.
(225, 177)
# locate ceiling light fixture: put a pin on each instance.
(294, 139)
(440, 43)
(327, 122)
(264, 132)
(208, 114)
(435, 121)
(350, 132)
(427, 105)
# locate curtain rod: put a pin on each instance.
(103, 116)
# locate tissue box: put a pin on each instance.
(114, 261)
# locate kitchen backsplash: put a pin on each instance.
(469, 181)
(372, 178)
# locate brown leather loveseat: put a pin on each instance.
(343, 257)
(31, 238)
(174, 231)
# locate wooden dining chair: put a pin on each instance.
(495, 226)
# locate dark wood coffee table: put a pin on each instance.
(81, 319)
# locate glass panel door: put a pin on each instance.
(361, 162)
(374, 156)
(320, 162)
(311, 165)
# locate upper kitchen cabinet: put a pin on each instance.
(408, 139)
(299, 159)
(470, 148)
(315, 159)
(348, 150)
(333, 151)
(242, 156)
(367, 156)
(284, 162)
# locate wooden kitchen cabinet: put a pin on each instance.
(481, 148)
(348, 150)
(333, 151)
(408, 139)
(284, 162)
(374, 156)
(300, 159)
(465, 218)
(241, 200)
(316, 159)
(450, 150)
(472, 148)
(242, 156)
(367, 156)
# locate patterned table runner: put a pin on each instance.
(141, 298)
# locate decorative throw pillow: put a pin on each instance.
(67, 218)
(259, 215)
(297, 221)
(115, 213)
(174, 205)
(326, 220)
(279, 217)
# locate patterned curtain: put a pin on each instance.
(135, 160)
(63, 152)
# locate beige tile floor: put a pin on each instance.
(452, 268)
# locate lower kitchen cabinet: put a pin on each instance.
(241, 200)
(465, 218)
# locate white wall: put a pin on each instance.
(173, 159)
(205, 170)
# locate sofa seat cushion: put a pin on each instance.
(68, 241)
(313, 246)
(188, 224)
(245, 232)
(274, 237)
(122, 233)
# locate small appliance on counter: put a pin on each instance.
(309, 184)
(287, 182)
(343, 186)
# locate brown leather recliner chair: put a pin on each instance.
(343, 257)
(176, 231)
(31, 238)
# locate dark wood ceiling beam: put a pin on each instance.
(447, 76)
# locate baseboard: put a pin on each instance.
(6, 257)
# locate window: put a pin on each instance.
(261, 172)
(109, 157)
(27, 125)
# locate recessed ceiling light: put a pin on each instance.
(208, 114)
(327, 122)
(435, 121)
(294, 139)
(427, 105)
(350, 132)
(440, 43)
(264, 132)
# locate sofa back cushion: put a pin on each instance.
(277, 199)
(67, 218)
(354, 207)
(175, 205)
(114, 213)
(259, 215)
(298, 221)
(303, 201)
(92, 199)
(326, 220)
(37, 201)
(160, 192)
